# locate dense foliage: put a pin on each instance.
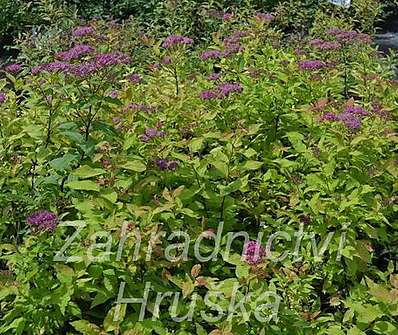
(133, 156)
(186, 15)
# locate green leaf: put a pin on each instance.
(251, 165)
(242, 271)
(109, 323)
(196, 144)
(367, 313)
(135, 165)
(110, 196)
(297, 141)
(200, 330)
(385, 327)
(86, 171)
(63, 163)
(85, 327)
(83, 185)
(231, 187)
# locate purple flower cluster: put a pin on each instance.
(349, 120)
(75, 53)
(51, 67)
(351, 117)
(173, 40)
(235, 37)
(254, 253)
(214, 76)
(166, 60)
(356, 110)
(43, 221)
(3, 97)
(97, 63)
(349, 36)
(222, 91)
(211, 54)
(82, 69)
(119, 122)
(311, 65)
(221, 15)
(113, 94)
(151, 133)
(325, 45)
(140, 107)
(134, 78)
(13, 68)
(300, 52)
(232, 43)
(264, 17)
(165, 164)
(228, 16)
(83, 31)
(111, 58)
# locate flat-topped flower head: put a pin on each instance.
(43, 221)
(83, 31)
(226, 89)
(3, 97)
(223, 90)
(208, 95)
(151, 133)
(311, 65)
(211, 54)
(214, 76)
(350, 120)
(75, 53)
(174, 40)
(235, 37)
(82, 69)
(134, 78)
(264, 17)
(51, 67)
(329, 116)
(325, 45)
(356, 110)
(140, 107)
(165, 164)
(13, 68)
(111, 58)
(253, 253)
(228, 16)
(345, 37)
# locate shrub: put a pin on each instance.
(143, 155)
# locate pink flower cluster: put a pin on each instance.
(43, 221)
(325, 45)
(97, 63)
(311, 65)
(3, 97)
(134, 78)
(165, 164)
(151, 133)
(351, 117)
(214, 77)
(222, 91)
(83, 31)
(174, 40)
(140, 107)
(254, 253)
(264, 17)
(75, 53)
(13, 68)
(221, 15)
(349, 36)
(211, 54)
